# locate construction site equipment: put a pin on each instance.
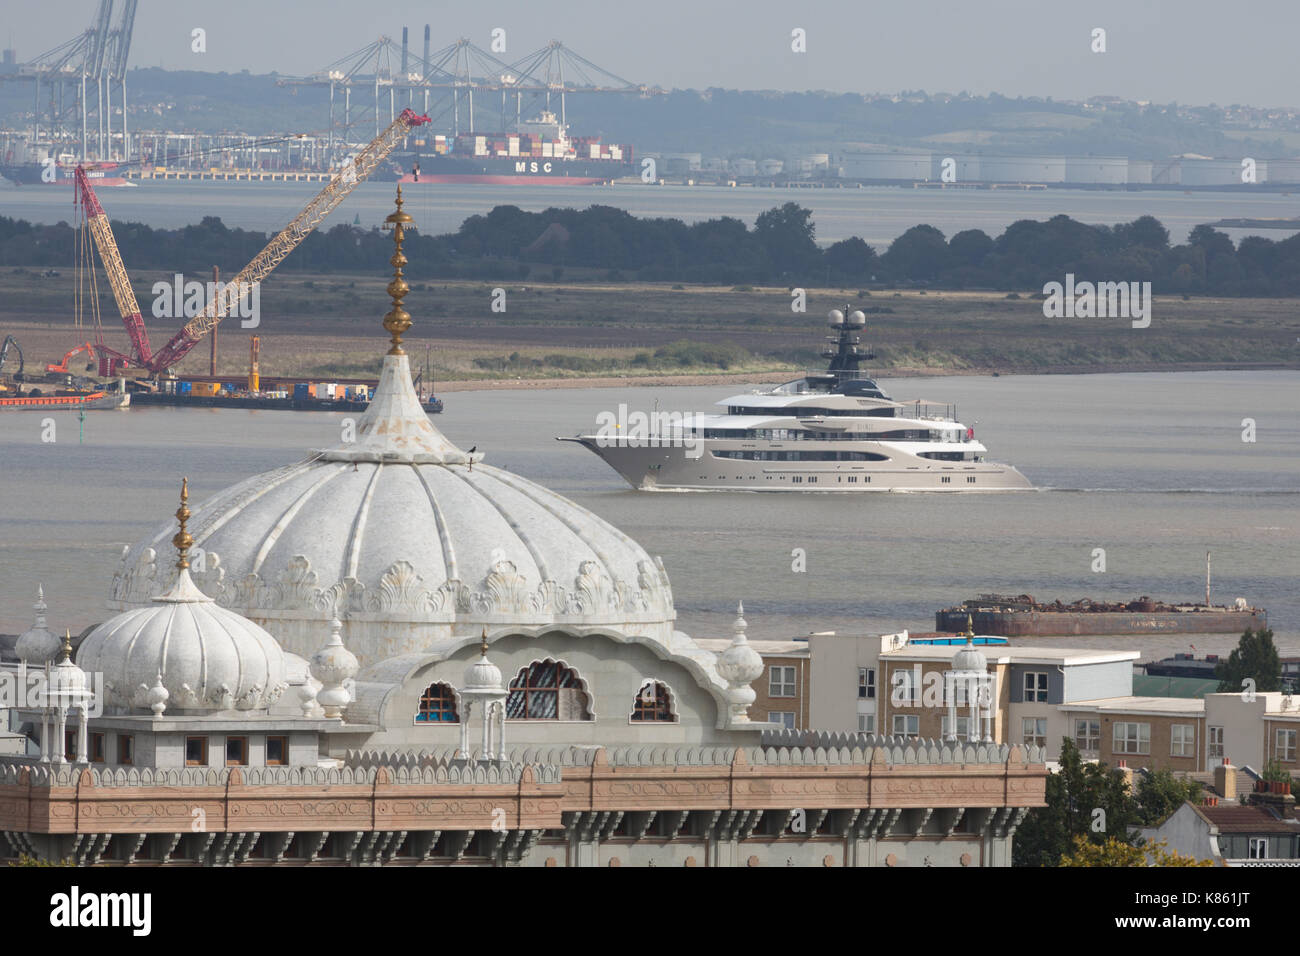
(62, 368)
(254, 347)
(288, 239)
(11, 343)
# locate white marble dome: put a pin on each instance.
(209, 657)
(408, 540)
(970, 658)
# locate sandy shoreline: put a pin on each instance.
(759, 378)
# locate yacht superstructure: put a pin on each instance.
(831, 430)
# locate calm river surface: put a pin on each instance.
(1151, 467)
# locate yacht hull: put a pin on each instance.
(650, 467)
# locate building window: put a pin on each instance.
(196, 751)
(1087, 735)
(780, 682)
(1132, 738)
(1034, 731)
(1035, 687)
(236, 751)
(1286, 745)
(946, 480)
(1182, 740)
(1258, 848)
(97, 748)
(277, 751)
(1215, 746)
(867, 683)
(866, 723)
(653, 703)
(438, 705)
(125, 749)
(963, 728)
(907, 725)
(547, 690)
(69, 745)
(783, 717)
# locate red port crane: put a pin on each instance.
(263, 263)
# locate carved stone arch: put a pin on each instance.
(549, 689)
(655, 702)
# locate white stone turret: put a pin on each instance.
(332, 665)
(483, 683)
(38, 645)
(739, 665)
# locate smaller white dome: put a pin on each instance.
(38, 645)
(209, 657)
(68, 685)
(969, 658)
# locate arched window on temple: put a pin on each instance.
(654, 702)
(548, 690)
(438, 705)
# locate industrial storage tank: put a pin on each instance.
(770, 167)
(1023, 169)
(744, 167)
(966, 168)
(887, 166)
(1218, 172)
(1139, 171)
(1096, 170)
(1284, 170)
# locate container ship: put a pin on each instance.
(541, 152)
(60, 170)
(1022, 616)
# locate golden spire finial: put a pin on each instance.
(970, 630)
(67, 647)
(484, 646)
(183, 539)
(398, 320)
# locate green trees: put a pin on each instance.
(1112, 852)
(780, 248)
(1255, 658)
(1091, 806)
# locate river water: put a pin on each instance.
(1150, 467)
(877, 214)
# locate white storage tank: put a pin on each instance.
(1096, 170)
(1022, 169)
(889, 167)
(1218, 172)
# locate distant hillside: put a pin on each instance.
(732, 123)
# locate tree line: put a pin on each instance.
(780, 248)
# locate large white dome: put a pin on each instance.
(209, 658)
(410, 542)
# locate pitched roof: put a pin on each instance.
(1251, 819)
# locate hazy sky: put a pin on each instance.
(1191, 51)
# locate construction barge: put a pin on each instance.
(1022, 616)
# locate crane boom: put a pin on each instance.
(287, 240)
(97, 220)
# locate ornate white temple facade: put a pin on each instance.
(393, 653)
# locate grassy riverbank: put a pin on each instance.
(607, 333)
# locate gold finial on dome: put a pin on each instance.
(484, 646)
(67, 647)
(183, 539)
(398, 320)
(970, 630)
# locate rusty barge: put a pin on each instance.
(1022, 616)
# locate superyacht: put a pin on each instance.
(831, 430)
